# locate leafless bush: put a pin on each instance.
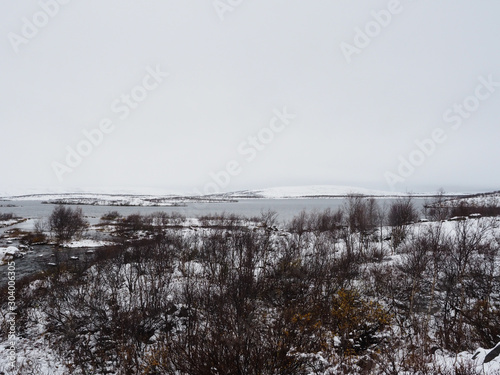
(7, 216)
(111, 216)
(438, 209)
(402, 212)
(41, 226)
(66, 223)
(299, 223)
(221, 220)
(227, 299)
(463, 208)
(269, 218)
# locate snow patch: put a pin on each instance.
(8, 253)
(87, 243)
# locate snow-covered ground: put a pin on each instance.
(36, 352)
(102, 199)
(476, 360)
(313, 191)
(87, 243)
(8, 253)
(10, 222)
(488, 200)
(172, 199)
(33, 352)
(7, 223)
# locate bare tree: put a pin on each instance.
(41, 226)
(66, 223)
(269, 218)
(438, 209)
(401, 213)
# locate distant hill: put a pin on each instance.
(117, 197)
(318, 191)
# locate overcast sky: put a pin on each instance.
(191, 95)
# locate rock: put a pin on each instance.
(492, 354)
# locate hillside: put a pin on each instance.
(138, 199)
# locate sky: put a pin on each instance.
(225, 95)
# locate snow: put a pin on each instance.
(33, 352)
(36, 350)
(100, 190)
(102, 199)
(476, 359)
(87, 243)
(118, 200)
(97, 198)
(7, 253)
(6, 223)
(312, 191)
(319, 190)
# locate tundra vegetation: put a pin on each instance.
(365, 289)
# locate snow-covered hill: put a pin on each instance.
(311, 192)
(143, 199)
(102, 199)
(485, 199)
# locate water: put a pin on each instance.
(39, 257)
(286, 208)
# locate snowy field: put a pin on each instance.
(399, 277)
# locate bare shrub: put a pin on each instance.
(40, 226)
(66, 223)
(438, 209)
(299, 223)
(111, 216)
(7, 216)
(268, 218)
(402, 212)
